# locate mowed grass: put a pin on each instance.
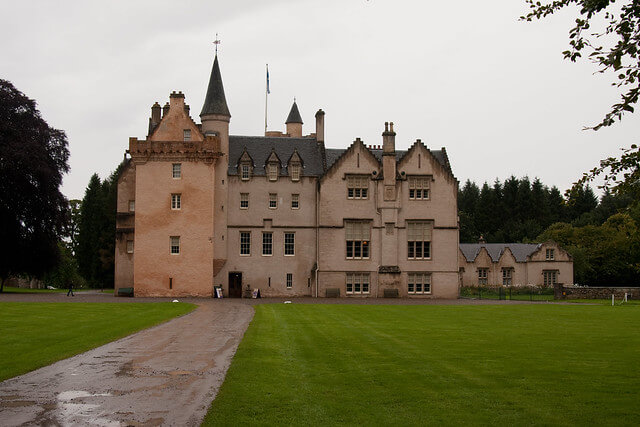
(33, 335)
(413, 365)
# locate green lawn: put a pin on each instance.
(413, 365)
(14, 290)
(33, 335)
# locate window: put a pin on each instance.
(245, 243)
(244, 200)
(132, 205)
(295, 201)
(186, 134)
(419, 240)
(507, 276)
(273, 171)
(358, 235)
(175, 201)
(245, 171)
(357, 187)
(419, 187)
(176, 171)
(175, 245)
(289, 244)
(273, 201)
(267, 243)
(294, 171)
(129, 246)
(419, 283)
(357, 283)
(550, 277)
(550, 255)
(289, 280)
(482, 276)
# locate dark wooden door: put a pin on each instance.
(235, 285)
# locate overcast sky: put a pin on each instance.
(465, 75)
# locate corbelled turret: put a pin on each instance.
(294, 122)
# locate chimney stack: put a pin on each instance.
(320, 126)
(389, 161)
(165, 109)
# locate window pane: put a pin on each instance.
(349, 248)
(365, 249)
(357, 249)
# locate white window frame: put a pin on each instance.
(176, 170)
(267, 243)
(357, 187)
(357, 283)
(289, 280)
(295, 201)
(186, 134)
(129, 246)
(419, 187)
(272, 171)
(244, 200)
(132, 205)
(245, 243)
(419, 236)
(358, 239)
(419, 283)
(550, 277)
(273, 200)
(507, 276)
(294, 171)
(174, 245)
(483, 276)
(550, 255)
(176, 201)
(245, 171)
(289, 243)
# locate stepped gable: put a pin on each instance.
(495, 250)
(261, 147)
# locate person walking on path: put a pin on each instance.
(70, 291)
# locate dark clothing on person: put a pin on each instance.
(70, 290)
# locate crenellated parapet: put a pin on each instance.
(142, 151)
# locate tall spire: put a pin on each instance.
(294, 114)
(215, 102)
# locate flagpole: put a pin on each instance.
(266, 94)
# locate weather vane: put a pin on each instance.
(216, 42)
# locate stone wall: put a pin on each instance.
(575, 292)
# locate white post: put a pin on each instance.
(625, 297)
(612, 299)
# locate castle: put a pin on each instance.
(200, 209)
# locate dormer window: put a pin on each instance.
(272, 170)
(294, 171)
(245, 171)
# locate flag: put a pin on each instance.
(268, 91)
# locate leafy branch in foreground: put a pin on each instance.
(621, 175)
(621, 55)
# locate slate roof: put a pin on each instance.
(294, 114)
(215, 101)
(519, 250)
(260, 147)
(334, 154)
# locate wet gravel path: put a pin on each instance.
(165, 375)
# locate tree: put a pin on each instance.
(621, 53)
(33, 211)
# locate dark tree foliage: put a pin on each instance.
(519, 210)
(96, 231)
(33, 211)
(614, 47)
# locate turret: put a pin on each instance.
(215, 114)
(294, 122)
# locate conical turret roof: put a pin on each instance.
(215, 102)
(294, 114)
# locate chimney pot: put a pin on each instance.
(386, 126)
(391, 126)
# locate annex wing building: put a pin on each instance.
(199, 208)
